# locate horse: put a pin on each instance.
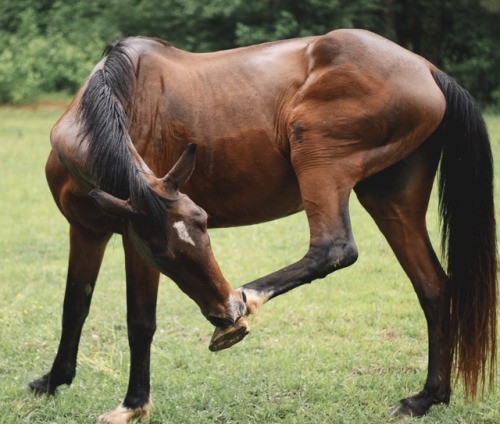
(275, 128)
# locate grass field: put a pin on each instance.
(341, 350)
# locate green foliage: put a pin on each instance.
(474, 57)
(48, 49)
(43, 65)
(51, 45)
(259, 22)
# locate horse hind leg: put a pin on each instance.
(397, 199)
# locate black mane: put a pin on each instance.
(105, 130)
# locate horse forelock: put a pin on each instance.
(105, 129)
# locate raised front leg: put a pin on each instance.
(323, 257)
(326, 202)
(142, 291)
(325, 195)
(86, 253)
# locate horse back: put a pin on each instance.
(351, 90)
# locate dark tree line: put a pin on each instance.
(51, 45)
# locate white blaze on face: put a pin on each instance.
(183, 233)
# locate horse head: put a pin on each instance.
(180, 248)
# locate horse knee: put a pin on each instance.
(141, 331)
(328, 257)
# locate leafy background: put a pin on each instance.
(50, 46)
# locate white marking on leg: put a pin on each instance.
(235, 306)
(124, 415)
(255, 299)
(183, 233)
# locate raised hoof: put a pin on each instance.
(224, 338)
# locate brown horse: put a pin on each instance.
(279, 127)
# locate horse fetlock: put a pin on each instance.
(237, 305)
(254, 299)
(437, 393)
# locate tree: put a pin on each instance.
(462, 37)
(48, 45)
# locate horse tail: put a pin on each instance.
(105, 129)
(468, 236)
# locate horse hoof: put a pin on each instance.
(411, 407)
(124, 415)
(224, 338)
(41, 386)
(402, 411)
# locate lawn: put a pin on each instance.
(341, 350)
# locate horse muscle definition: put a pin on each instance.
(278, 127)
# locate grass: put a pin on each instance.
(341, 350)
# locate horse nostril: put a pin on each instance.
(220, 321)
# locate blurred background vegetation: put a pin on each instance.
(49, 46)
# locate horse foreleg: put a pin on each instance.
(86, 253)
(331, 248)
(324, 257)
(142, 291)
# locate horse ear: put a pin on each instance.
(112, 205)
(182, 170)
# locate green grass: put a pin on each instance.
(341, 350)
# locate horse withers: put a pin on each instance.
(279, 127)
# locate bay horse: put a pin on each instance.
(278, 127)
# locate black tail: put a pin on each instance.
(105, 124)
(469, 236)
